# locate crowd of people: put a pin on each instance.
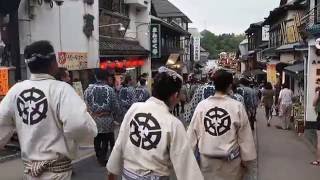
(51, 120)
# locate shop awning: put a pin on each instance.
(279, 65)
(116, 47)
(173, 58)
(294, 69)
(254, 72)
(288, 47)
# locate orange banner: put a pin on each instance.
(4, 81)
(272, 73)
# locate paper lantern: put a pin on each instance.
(112, 65)
(141, 62)
(120, 64)
(135, 63)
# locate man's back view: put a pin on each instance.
(43, 111)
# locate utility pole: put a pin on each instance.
(15, 43)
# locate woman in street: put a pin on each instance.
(285, 104)
(152, 142)
(267, 100)
(316, 104)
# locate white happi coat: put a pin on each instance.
(49, 117)
(219, 124)
(151, 141)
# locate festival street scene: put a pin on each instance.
(159, 90)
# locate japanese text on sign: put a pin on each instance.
(155, 41)
(73, 60)
(196, 45)
(4, 81)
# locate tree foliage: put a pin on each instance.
(215, 44)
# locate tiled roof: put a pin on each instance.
(165, 8)
(171, 25)
(115, 46)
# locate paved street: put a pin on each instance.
(282, 154)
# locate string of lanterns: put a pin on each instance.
(107, 64)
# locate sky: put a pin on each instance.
(225, 16)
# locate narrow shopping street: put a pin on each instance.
(283, 155)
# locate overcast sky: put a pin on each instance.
(225, 16)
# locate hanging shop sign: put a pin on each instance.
(265, 33)
(4, 81)
(73, 60)
(272, 73)
(155, 40)
(196, 48)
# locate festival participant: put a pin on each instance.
(141, 93)
(63, 75)
(203, 92)
(250, 100)
(220, 132)
(48, 115)
(151, 140)
(127, 94)
(104, 107)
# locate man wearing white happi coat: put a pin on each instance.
(220, 134)
(152, 142)
(48, 116)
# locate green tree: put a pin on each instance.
(215, 44)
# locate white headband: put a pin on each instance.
(35, 56)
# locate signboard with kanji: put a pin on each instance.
(4, 81)
(155, 40)
(73, 60)
(197, 48)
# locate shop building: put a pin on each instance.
(124, 37)
(258, 37)
(170, 39)
(310, 31)
(285, 44)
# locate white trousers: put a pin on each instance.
(50, 176)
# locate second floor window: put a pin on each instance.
(117, 6)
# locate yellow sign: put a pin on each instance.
(73, 60)
(272, 73)
(291, 34)
(4, 81)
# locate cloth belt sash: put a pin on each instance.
(233, 154)
(128, 175)
(37, 168)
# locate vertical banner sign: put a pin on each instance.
(265, 33)
(4, 81)
(196, 45)
(272, 73)
(155, 41)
